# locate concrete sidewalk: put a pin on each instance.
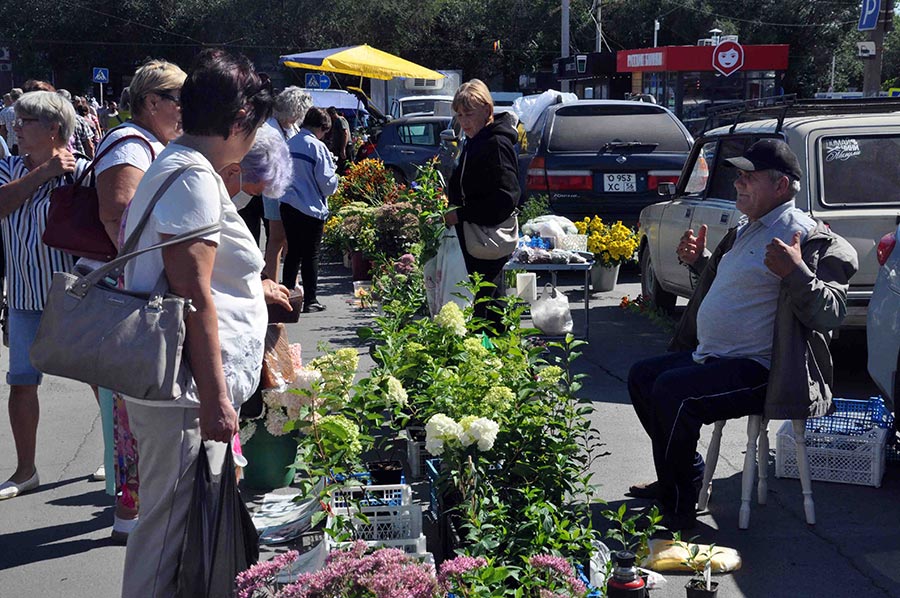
(54, 542)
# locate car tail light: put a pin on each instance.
(654, 178)
(570, 180)
(885, 247)
(537, 175)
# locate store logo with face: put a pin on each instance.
(728, 57)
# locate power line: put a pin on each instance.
(755, 22)
(131, 22)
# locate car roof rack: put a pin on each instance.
(780, 107)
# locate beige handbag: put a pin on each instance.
(125, 341)
(489, 242)
(492, 242)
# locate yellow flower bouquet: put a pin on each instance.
(611, 245)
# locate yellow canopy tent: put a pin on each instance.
(363, 61)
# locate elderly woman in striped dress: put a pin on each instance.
(44, 123)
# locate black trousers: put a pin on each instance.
(673, 397)
(252, 214)
(304, 239)
(491, 271)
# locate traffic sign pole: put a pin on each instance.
(872, 66)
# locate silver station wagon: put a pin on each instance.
(851, 165)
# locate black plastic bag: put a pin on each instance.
(220, 539)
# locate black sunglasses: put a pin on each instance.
(170, 97)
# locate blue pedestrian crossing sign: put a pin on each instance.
(868, 17)
(100, 75)
(317, 81)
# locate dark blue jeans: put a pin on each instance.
(673, 397)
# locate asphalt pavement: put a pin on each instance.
(55, 541)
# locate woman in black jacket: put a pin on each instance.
(485, 183)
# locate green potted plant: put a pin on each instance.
(699, 560)
(612, 246)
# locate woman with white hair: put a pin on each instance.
(266, 169)
(44, 123)
(290, 109)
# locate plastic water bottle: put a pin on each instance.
(625, 581)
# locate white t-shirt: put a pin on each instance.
(133, 152)
(196, 199)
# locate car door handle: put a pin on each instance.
(687, 213)
(723, 219)
(407, 152)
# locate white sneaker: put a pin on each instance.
(99, 475)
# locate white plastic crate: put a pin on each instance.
(416, 455)
(412, 547)
(394, 495)
(834, 456)
(384, 522)
(392, 527)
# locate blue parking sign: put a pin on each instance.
(101, 75)
(868, 17)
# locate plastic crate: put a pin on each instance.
(412, 547)
(847, 446)
(392, 527)
(383, 522)
(393, 495)
(416, 455)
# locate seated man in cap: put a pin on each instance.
(754, 337)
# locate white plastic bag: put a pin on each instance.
(443, 272)
(550, 313)
(529, 108)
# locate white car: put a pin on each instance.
(883, 328)
(851, 168)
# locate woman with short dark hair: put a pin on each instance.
(304, 207)
(223, 102)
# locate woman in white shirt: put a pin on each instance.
(220, 274)
(123, 156)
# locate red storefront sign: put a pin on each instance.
(700, 58)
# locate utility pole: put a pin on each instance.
(599, 47)
(872, 65)
(564, 49)
(655, 31)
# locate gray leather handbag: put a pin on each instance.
(125, 341)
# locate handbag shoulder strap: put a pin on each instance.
(106, 150)
(132, 240)
(114, 267)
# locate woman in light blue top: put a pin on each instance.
(304, 207)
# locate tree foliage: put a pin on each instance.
(67, 37)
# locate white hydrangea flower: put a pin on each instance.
(442, 427)
(434, 446)
(275, 421)
(396, 394)
(307, 378)
(451, 318)
(481, 430)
